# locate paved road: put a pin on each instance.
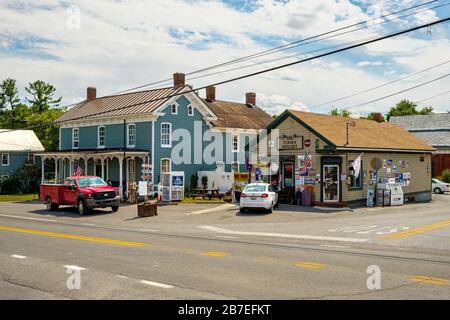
(219, 254)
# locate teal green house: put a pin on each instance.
(136, 136)
(18, 148)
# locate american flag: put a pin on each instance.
(77, 171)
(305, 164)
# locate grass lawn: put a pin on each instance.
(200, 200)
(19, 197)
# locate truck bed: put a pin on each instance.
(54, 191)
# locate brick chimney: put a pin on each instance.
(211, 93)
(91, 93)
(250, 98)
(378, 117)
(178, 79)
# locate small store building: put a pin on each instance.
(317, 151)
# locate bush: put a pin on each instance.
(13, 185)
(446, 175)
(194, 181)
(205, 182)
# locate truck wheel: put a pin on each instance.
(82, 207)
(115, 208)
(51, 206)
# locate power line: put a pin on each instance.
(299, 42)
(283, 47)
(398, 92)
(277, 67)
(398, 33)
(432, 97)
(379, 86)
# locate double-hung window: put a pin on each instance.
(190, 110)
(131, 135)
(166, 135)
(101, 136)
(235, 143)
(75, 138)
(5, 159)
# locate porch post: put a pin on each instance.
(120, 178)
(107, 170)
(70, 167)
(103, 168)
(56, 170)
(42, 169)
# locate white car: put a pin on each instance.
(440, 186)
(258, 195)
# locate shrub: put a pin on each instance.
(446, 175)
(194, 181)
(13, 185)
(205, 182)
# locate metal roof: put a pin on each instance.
(19, 141)
(117, 105)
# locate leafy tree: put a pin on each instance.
(9, 95)
(340, 113)
(42, 96)
(15, 118)
(47, 133)
(406, 108)
(371, 116)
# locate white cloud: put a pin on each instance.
(124, 44)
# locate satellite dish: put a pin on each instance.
(376, 163)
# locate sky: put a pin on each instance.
(117, 45)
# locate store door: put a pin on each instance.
(330, 183)
(288, 174)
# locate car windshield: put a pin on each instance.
(91, 182)
(255, 188)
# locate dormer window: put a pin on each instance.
(174, 109)
(190, 110)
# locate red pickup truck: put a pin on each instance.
(83, 192)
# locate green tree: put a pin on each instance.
(9, 95)
(15, 118)
(47, 133)
(407, 108)
(340, 112)
(42, 96)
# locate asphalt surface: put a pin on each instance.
(213, 252)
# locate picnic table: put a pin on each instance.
(206, 193)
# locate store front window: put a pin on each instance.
(355, 182)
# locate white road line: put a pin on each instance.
(156, 284)
(226, 237)
(218, 208)
(18, 256)
(282, 235)
(88, 224)
(26, 218)
(149, 230)
(121, 276)
(74, 267)
(332, 246)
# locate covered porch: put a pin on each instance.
(121, 168)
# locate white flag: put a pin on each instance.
(357, 166)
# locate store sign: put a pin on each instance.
(290, 142)
(241, 177)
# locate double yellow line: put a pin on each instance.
(404, 234)
(74, 237)
(310, 265)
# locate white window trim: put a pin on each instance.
(176, 108)
(7, 157)
(192, 110)
(98, 138)
(73, 138)
(32, 158)
(128, 135)
(160, 165)
(169, 145)
(232, 143)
